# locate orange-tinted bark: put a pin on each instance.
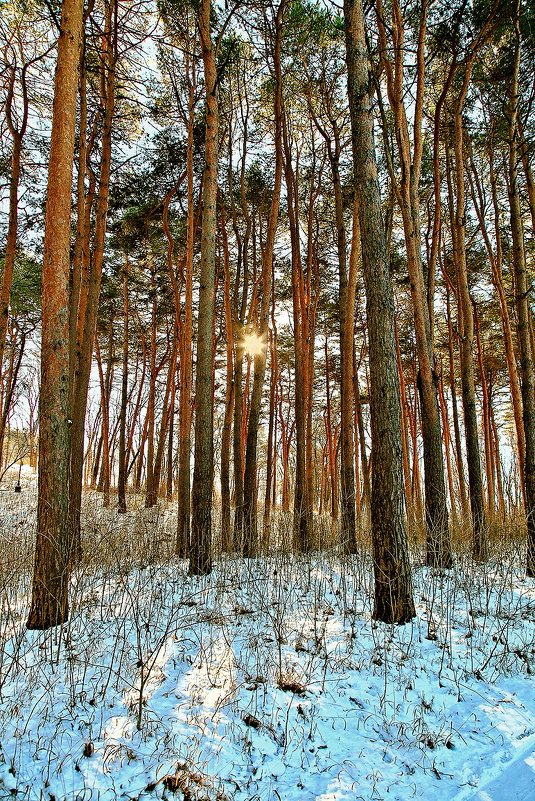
(49, 605)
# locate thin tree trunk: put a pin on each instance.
(497, 464)
(346, 302)
(466, 322)
(466, 329)
(333, 478)
(407, 193)
(522, 304)
(186, 376)
(497, 278)
(347, 293)
(104, 483)
(302, 512)
(409, 505)
(170, 442)
(121, 480)
(272, 437)
(166, 417)
(250, 538)
(17, 134)
(366, 486)
(226, 532)
(150, 494)
(489, 465)
(10, 388)
(88, 302)
(447, 443)
(456, 427)
(201, 501)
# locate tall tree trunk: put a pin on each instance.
(272, 432)
(466, 321)
(466, 329)
(497, 279)
(237, 444)
(347, 292)
(186, 377)
(302, 525)
(522, 303)
(170, 442)
(489, 463)
(407, 193)
(393, 583)
(455, 413)
(49, 604)
(201, 501)
(239, 311)
(310, 295)
(88, 300)
(150, 493)
(17, 134)
(250, 537)
(121, 479)
(226, 532)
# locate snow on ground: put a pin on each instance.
(265, 681)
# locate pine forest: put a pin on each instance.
(267, 400)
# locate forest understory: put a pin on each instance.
(267, 679)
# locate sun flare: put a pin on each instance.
(253, 344)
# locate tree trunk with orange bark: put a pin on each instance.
(49, 604)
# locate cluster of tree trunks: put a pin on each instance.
(238, 252)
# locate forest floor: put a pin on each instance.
(265, 681)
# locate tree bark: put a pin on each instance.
(497, 279)
(150, 493)
(49, 604)
(17, 134)
(201, 500)
(185, 411)
(347, 292)
(393, 585)
(226, 531)
(250, 533)
(466, 329)
(407, 194)
(88, 300)
(121, 479)
(522, 303)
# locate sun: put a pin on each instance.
(253, 344)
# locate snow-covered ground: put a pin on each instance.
(265, 680)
